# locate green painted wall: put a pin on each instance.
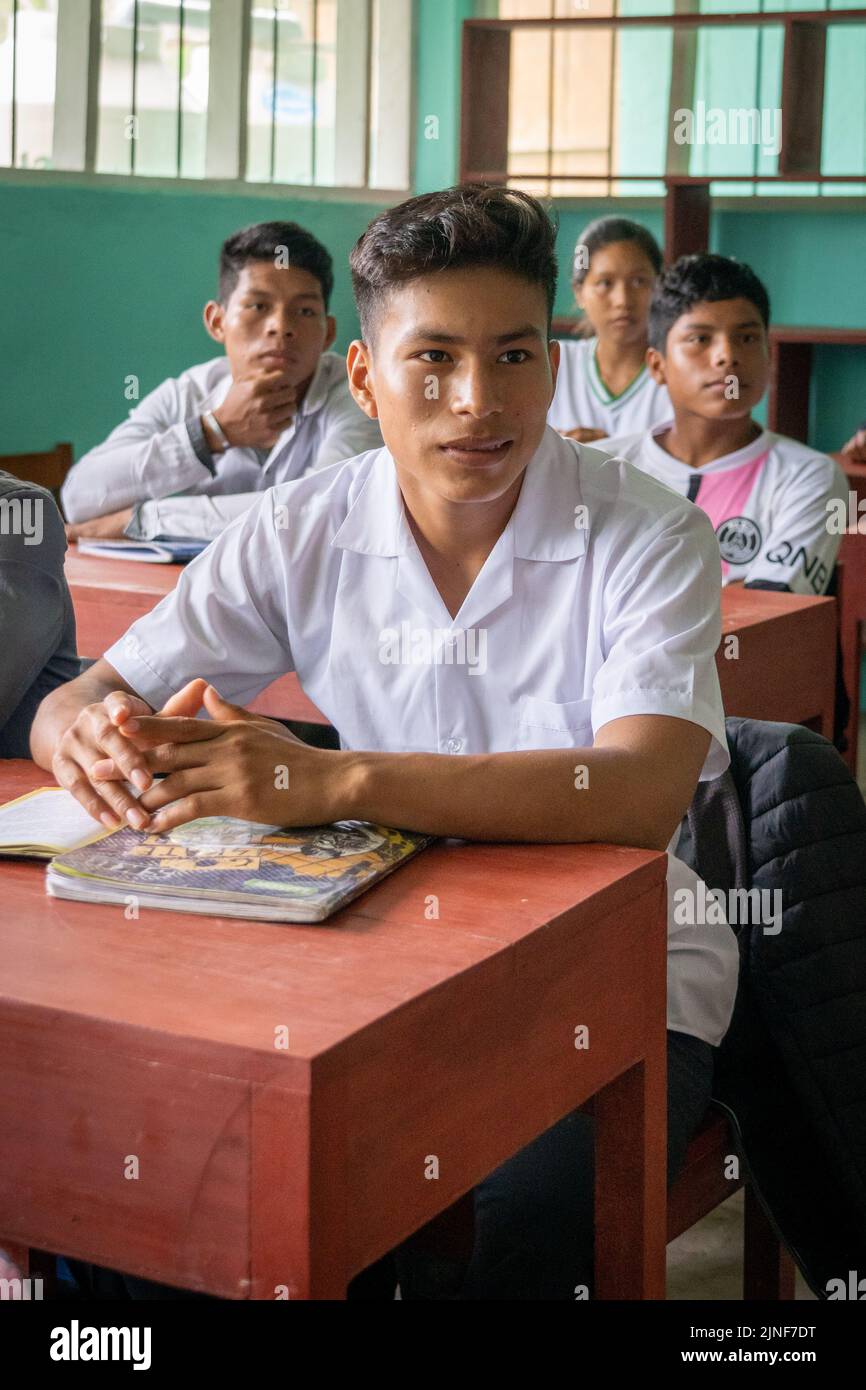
(99, 283)
(438, 90)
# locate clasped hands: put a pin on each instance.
(234, 764)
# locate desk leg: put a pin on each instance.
(297, 1228)
(630, 1184)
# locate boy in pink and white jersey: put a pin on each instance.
(769, 498)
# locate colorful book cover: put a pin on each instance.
(222, 861)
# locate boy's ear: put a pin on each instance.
(215, 320)
(656, 366)
(555, 353)
(360, 369)
(330, 332)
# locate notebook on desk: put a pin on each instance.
(162, 550)
(233, 868)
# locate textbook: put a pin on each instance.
(233, 868)
(162, 550)
(45, 822)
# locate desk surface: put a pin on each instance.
(782, 665)
(123, 576)
(408, 1035)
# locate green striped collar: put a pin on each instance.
(600, 390)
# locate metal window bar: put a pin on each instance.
(314, 77)
(275, 67)
(179, 141)
(134, 101)
(13, 120)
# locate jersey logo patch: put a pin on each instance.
(739, 540)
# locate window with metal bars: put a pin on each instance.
(602, 104)
(289, 92)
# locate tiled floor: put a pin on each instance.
(706, 1262)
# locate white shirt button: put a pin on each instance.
(455, 745)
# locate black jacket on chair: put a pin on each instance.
(792, 1068)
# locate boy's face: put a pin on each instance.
(715, 363)
(274, 320)
(616, 291)
(460, 377)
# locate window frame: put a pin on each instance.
(76, 109)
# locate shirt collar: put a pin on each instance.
(546, 521)
(676, 467)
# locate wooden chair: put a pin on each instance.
(48, 469)
(768, 1269)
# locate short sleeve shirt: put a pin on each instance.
(599, 599)
(769, 505)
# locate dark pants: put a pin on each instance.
(533, 1215)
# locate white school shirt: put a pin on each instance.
(565, 628)
(582, 401)
(767, 503)
(149, 458)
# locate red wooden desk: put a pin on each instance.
(785, 667)
(408, 1039)
(109, 595)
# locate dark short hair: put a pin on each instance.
(703, 279)
(260, 242)
(604, 231)
(473, 224)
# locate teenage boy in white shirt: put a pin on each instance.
(583, 597)
(197, 451)
(769, 498)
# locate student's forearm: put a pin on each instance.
(201, 518)
(59, 709)
(572, 795)
(127, 470)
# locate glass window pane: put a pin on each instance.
(294, 105)
(260, 92)
(844, 135)
(27, 134)
(194, 90)
(116, 126)
(6, 69)
(326, 92)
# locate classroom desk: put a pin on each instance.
(411, 1043)
(786, 664)
(784, 670)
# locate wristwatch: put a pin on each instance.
(213, 424)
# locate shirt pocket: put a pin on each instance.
(548, 724)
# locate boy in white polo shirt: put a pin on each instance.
(591, 598)
(197, 451)
(767, 497)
